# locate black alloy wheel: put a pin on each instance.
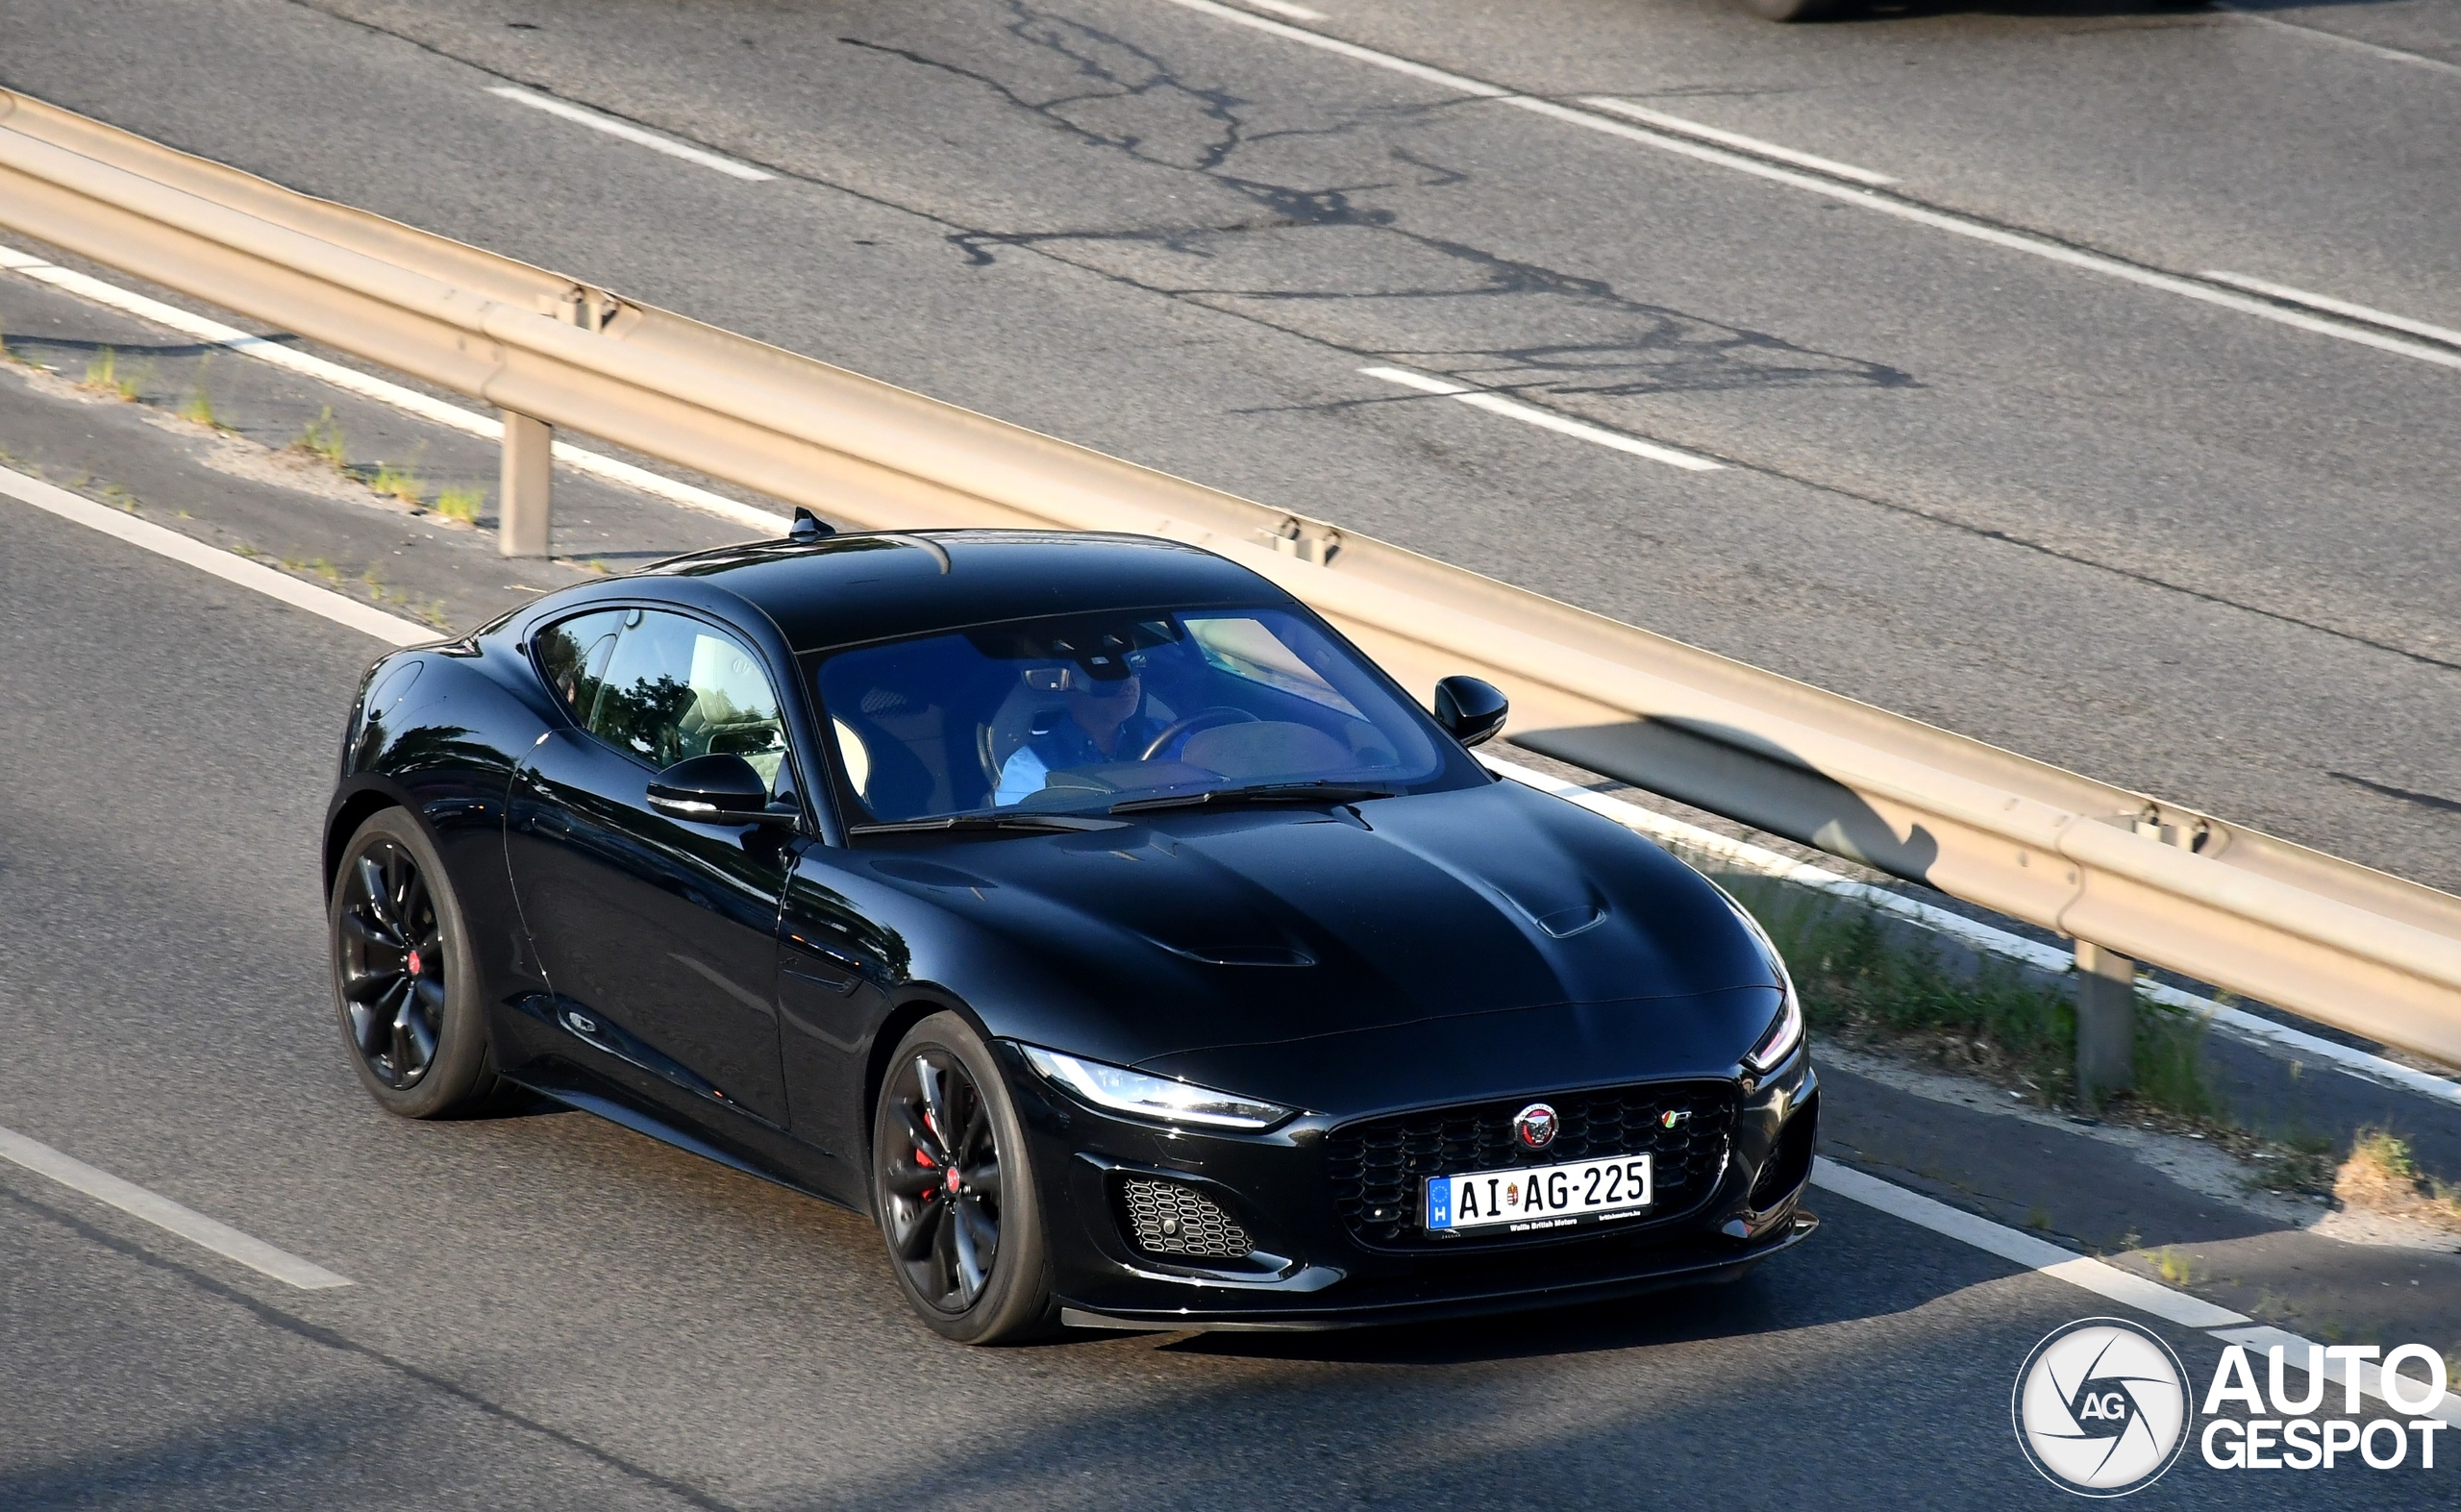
(405, 985)
(391, 965)
(955, 1205)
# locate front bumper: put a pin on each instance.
(1308, 1268)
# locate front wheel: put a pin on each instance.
(955, 1199)
(406, 983)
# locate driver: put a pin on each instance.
(1095, 722)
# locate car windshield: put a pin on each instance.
(1073, 715)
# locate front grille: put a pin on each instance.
(1166, 1218)
(1379, 1167)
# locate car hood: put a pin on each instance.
(1197, 931)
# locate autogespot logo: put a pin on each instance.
(2101, 1407)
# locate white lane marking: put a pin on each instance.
(1743, 856)
(1901, 209)
(164, 1213)
(2316, 33)
(1751, 144)
(2110, 1281)
(2035, 1254)
(1284, 8)
(1531, 414)
(629, 132)
(164, 542)
(2337, 306)
(351, 380)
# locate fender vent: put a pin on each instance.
(1166, 1218)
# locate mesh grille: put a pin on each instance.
(1378, 1167)
(1166, 1218)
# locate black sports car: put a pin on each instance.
(1082, 907)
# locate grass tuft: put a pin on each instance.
(2381, 1174)
(198, 408)
(103, 377)
(399, 483)
(462, 503)
(323, 439)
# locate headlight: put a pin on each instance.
(1786, 1031)
(1140, 1095)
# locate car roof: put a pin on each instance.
(852, 588)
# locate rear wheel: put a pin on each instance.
(957, 1203)
(405, 984)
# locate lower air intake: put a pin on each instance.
(1166, 1218)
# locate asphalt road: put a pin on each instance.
(549, 1311)
(2169, 543)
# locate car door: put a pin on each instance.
(658, 934)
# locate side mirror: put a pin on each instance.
(1471, 711)
(716, 789)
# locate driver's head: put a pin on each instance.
(1100, 706)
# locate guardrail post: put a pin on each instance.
(2106, 1024)
(528, 485)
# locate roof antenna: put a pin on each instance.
(806, 526)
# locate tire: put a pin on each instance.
(933, 1231)
(1793, 9)
(413, 1023)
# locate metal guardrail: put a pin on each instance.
(2139, 879)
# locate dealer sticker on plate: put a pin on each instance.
(1528, 1198)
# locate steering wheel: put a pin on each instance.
(1202, 719)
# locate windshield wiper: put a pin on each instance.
(1005, 820)
(1257, 793)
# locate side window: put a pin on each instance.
(676, 688)
(573, 655)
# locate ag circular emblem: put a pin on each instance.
(2101, 1407)
(1536, 1125)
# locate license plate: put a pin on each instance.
(1529, 1199)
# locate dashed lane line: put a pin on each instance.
(580, 115)
(161, 1211)
(2316, 33)
(1751, 144)
(1851, 193)
(2339, 307)
(1545, 419)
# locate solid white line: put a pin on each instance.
(164, 1213)
(1284, 8)
(629, 132)
(2337, 306)
(2035, 1254)
(1531, 414)
(2110, 1281)
(391, 629)
(1921, 216)
(2316, 33)
(351, 380)
(1751, 144)
(1743, 856)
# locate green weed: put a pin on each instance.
(103, 376)
(399, 483)
(462, 503)
(323, 439)
(198, 406)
